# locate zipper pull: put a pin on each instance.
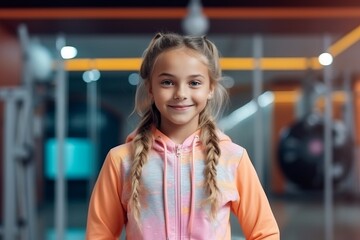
(178, 150)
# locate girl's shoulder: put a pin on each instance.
(232, 149)
(121, 151)
(231, 153)
(227, 145)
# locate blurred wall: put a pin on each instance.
(10, 75)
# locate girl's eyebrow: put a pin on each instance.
(196, 76)
(166, 75)
(171, 75)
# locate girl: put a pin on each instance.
(178, 176)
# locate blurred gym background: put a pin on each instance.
(68, 74)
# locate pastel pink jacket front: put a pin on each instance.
(172, 184)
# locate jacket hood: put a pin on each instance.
(187, 144)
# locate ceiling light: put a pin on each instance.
(40, 61)
(68, 52)
(325, 59)
(195, 23)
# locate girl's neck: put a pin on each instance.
(178, 134)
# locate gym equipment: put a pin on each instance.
(301, 152)
(19, 208)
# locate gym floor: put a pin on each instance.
(299, 217)
(304, 218)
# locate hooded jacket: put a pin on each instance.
(172, 194)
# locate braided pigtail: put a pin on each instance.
(213, 152)
(142, 144)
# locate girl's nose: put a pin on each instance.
(179, 97)
(180, 94)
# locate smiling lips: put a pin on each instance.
(180, 107)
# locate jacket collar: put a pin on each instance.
(159, 139)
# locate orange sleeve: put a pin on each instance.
(106, 215)
(253, 210)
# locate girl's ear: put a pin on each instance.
(150, 91)
(149, 88)
(211, 93)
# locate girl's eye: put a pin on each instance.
(195, 83)
(166, 83)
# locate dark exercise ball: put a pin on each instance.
(301, 152)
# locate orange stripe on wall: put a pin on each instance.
(180, 12)
(357, 110)
(93, 13)
(283, 12)
(133, 64)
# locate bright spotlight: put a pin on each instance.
(68, 52)
(325, 59)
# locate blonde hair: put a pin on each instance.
(146, 109)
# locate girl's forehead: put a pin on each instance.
(183, 51)
(181, 60)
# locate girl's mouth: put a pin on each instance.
(180, 107)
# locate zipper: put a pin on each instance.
(178, 191)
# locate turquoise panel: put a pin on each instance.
(79, 158)
(70, 234)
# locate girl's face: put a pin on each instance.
(180, 87)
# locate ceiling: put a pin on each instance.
(113, 29)
(114, 17)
